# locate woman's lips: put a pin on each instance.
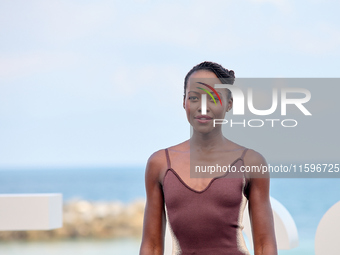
(203, 118)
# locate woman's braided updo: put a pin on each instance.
(224, 75)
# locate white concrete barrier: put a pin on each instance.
(285, 229)
(30, 211)
(327, 237)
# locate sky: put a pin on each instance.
(100, 83)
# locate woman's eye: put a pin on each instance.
(193, 98)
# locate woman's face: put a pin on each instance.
(193, 101)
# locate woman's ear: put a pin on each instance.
(184, 101)
(230, 104)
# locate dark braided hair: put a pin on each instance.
(224, 75)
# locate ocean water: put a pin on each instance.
(100, 184)
(307, 200)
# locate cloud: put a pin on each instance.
(323, 39)
(154, 80)
(18, 65)
(54, 21)
(283, 5)
(68, 21)
(191, 25)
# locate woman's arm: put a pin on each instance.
(154, 215)
(260, 212)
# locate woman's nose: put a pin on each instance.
(203, 109)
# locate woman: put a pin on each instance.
(205, 214)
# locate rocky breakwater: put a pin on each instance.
(84, 219)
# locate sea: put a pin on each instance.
(307, 200)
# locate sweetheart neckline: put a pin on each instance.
(209, 184)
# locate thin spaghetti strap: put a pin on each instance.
(167, 158)
(247, 178)
(244, 153)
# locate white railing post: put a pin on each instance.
(328, 232)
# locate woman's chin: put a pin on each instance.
(203, 129)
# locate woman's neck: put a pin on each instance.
(210, 141)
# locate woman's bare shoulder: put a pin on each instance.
(232, 146)
(156, 161)
(184, 146)
(158, 158)
(253, 157)
(256, 160)
(156, 167)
